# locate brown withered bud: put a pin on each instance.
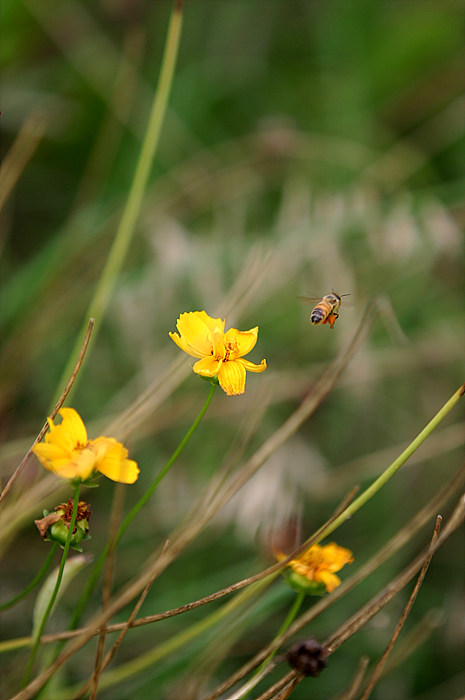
(65, 510)
(54, 527)
(308, 657)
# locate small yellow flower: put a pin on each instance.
(220, 354)
(69, 454)
(317, 566)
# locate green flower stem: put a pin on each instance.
(394, 467)
(132, 208)
(290, 617)
(40, 629)
(38, 578)
(132, 513)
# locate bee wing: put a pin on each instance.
(310, 299)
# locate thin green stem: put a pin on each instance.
(290, 617)
(126, 228)
(51, 602)
(38, 578)
(394, 467)
(134, 511)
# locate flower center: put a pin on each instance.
(230, 349)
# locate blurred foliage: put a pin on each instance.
(308, 145)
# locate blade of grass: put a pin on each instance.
(126, 228)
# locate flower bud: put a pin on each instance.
(54, 527)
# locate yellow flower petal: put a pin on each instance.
(218, 347)
(207, 367)
(68, 454)
(181, 343)
(244, 341)
(232, 378)
(330, 580)
(219, 353)
(80, 466)
(318, 563)
(251, 367)
(73, 425)
(196, 329)
(111, 460)
(211, 323)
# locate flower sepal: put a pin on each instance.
(90, 483)
(303, 585)
(58, 532)
(211, 380)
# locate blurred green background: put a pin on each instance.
(308, 145)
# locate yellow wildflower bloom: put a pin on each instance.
(219, 354)
(318, 566)
(69, 454)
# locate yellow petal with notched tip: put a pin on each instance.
(196, 329)
(244, 341)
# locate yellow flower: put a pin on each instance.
(68, 453)
(317, 566)
(220, 354)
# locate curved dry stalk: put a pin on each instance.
(395, 543)
(377, 603)
(157, 617)
(247, 687)
(357, 621)
(282, 688)
(192, 529)
(382, 662)
(57, 407)
(308, 406)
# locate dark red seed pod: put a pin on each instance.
(308, 657)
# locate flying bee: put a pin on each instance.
(326, 311)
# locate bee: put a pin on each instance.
(326, 311)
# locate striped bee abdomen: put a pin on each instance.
(319, 313)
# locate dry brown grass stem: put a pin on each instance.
(394, 544)
(357, 621)
(115, 519)
(111, 653)
(150, 619)
(200, 519)
(357, 680)
(282, 688)
(57, 407)
(382, 662)
(411, 641)
(377, 603)
(247, 687)
(308, 406)
(20, 153)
